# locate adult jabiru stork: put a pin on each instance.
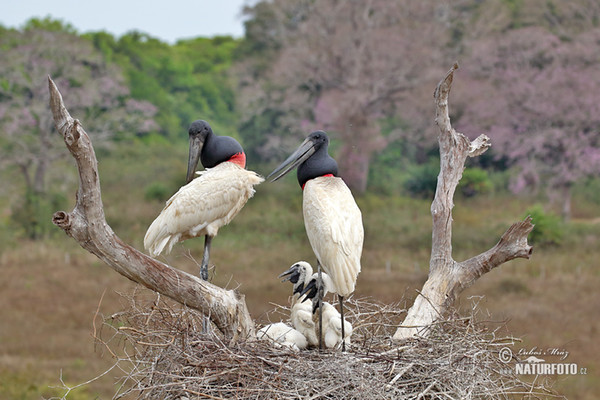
(208, 202)
(332, 219)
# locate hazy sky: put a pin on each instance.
(167, 20)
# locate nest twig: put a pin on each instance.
(164, 354)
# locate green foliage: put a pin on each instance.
(422, 179)
(388, 169)
(548, 226)
(32, 216)
(49, 24)
(186, 81)
(253, 132)
(157, 191)
(474, 181)
(589, 189)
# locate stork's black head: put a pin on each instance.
(210, 148)
(311, 158)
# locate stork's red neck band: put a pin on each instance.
(239, 159)
(326, 175)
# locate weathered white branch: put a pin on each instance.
(448, 278)
(87, 225)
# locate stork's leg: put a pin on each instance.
(205, 258)
(320, 300)
(204, 275)
(342, 315)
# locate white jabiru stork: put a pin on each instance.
(208, 202)
(332, 219)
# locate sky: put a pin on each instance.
(168, 20)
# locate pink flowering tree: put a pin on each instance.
(536, 95)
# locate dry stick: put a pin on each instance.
(204, 395)
(401, 373)
(448, 278)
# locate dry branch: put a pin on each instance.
(87, 225)
(167, 358)
(448, 278)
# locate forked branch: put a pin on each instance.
(87, 225)
(448, 278)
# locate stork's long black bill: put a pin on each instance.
(302, 153)
(196, 144)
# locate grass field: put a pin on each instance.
(51, 289)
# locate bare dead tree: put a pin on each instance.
(87, 225)
(447, 277)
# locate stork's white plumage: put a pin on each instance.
(282, 334)
(202, 206)
(334, 228)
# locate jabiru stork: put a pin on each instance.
(208, 202)
(332, 218)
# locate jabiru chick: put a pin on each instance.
(302, 313)
(208, 202)
(332, 218)
(283, 335)
(333, 331)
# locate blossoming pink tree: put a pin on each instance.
(537, 96)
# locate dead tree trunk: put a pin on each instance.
(448, 278)
(87, 225)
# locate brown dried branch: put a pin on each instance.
(459, 359)
(448, 278)
(87, 225)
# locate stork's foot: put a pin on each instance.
(204, 272)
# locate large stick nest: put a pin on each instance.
(163, 354)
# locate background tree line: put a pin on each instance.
(362, 70)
